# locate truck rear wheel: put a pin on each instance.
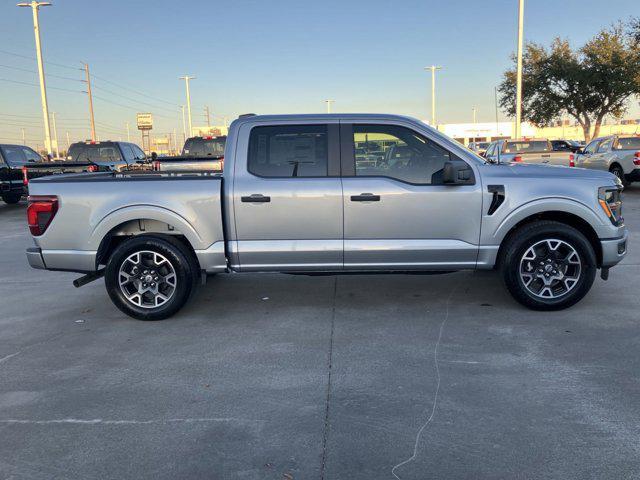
(548, 265)
(11, 198)
(151, 277)
(619, 172)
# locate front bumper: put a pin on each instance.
(34, 256)
(614, 250)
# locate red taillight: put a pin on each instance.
(40, 212)
(25, 176)
(156, 165)
(517, 158)
(636, 158)
(572, 160)
(92, 168)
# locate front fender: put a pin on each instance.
(545, 205)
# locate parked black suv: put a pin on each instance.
(108, 155)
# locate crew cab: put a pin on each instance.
(618, 154)
(297, 197)
(528, 151)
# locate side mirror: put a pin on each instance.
(457, 172)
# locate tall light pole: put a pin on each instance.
(519, 70)
(55, 134)
(433, 69)
(184, 125)
(186, 79)
(329, 102)
(35, 6)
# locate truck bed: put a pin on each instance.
(186, 204)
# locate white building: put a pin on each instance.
(484, 132)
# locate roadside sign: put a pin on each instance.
(145, 121)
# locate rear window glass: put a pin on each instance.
(200, 147)
(13, 155)
(526, 146)
(288, 151)
(628, 143)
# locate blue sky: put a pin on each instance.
(274, 56)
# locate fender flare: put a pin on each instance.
(546, 205)
(139, 212)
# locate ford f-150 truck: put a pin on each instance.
(528, 151)
(618, 154)
(297, 197)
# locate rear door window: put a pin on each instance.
(526, 146)
(102, 154)
(591, 148)
(628, 143)
(31, 155)
(129, 156)
(604, 146)
(288, 151)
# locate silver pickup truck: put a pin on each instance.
(298, 196)
(527, 151)
(618, 154)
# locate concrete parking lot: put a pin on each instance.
(293, 377)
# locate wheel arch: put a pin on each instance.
(567, 218)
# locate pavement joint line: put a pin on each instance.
(435, 396)
(100, 421)
(325, 434)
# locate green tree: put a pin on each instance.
(588, 84)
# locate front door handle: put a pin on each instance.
(256, 198)
(365, 197)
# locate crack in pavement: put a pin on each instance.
(329, 365)
(435, 396)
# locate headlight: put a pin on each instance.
(611, 202)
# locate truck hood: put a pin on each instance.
(524, 170)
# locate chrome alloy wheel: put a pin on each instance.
(147, 279)
(550, 268)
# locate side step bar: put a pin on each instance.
(88, 278)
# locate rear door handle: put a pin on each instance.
(256, 198)
(365, 197)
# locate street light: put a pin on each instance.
(43, 89)
(519, 69)
(329, 102)
(186, 79)
(433, 69)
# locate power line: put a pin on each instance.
(131, 99)
(128, 106)
(48, 74)
(33, 58)
(134, 90)
(36, 85)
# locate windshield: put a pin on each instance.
(628, 143)
(200, 147)
(523, 146)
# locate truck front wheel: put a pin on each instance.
(149, 277)
(548, 265)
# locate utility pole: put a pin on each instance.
(186, 79)
(55, 134)
(68, 143)
(519, 70)
(91, 118)
(184, 125)
(128, 133)
(24, 141)
(35, 6)
(433, 69)
(207, 116)
(329, 102)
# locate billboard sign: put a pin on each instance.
(145, 121)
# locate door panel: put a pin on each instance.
(292, 220)
(411, 227)
(397, 212)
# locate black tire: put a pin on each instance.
(536, 233)
(177, 256)
(619, 172)
(11, 198)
